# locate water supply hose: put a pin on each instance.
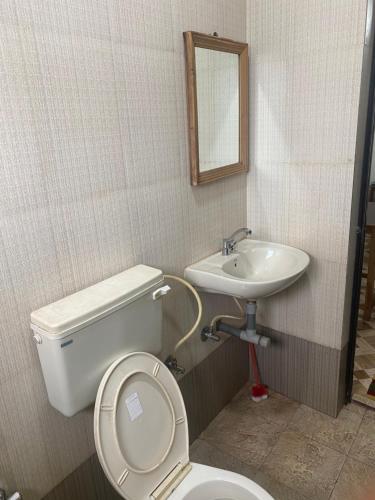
(199, 315)
(215, 319)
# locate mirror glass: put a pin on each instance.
(217, 77)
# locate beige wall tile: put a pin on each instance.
(95, 179)
(305, 70)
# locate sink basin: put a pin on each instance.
(254, 270)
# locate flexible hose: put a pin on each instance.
(215, 319)
(239, 305)
(199, 315)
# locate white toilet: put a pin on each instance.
(141, 436)
(140, 423)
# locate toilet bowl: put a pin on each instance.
(209, 483)
(141, 437)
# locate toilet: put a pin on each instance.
(99, 345)
(141, 436)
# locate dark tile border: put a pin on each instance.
(305, 371)
(209, 386)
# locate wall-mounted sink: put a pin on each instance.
(254, 270)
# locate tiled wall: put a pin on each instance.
(93, 151)
(305, 70)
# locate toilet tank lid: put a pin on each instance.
(90, 304)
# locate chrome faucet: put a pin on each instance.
(229, 244)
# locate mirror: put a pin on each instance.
(218, 105)
(217, 91)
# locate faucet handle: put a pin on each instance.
(243, 230)
(207, 334)
(171, 364)
(228, 246)
(230, 243)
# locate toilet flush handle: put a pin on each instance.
(160, 292)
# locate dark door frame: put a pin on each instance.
(362, 168)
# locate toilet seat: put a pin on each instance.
(140, 428)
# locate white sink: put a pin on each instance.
(254, 270)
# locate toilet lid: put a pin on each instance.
(140, 427)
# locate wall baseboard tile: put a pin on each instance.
(206, 389)
(305, 371)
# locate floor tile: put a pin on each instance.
(245, 435)
(276, 408)
(360, 373)
(356, 482)
(359, 388)
(371, 339)
(336, 433)
(356, 408)
(366, 332)
(363, 346)
(363, 448)
(203, 453)
(362, 326)
(242, 401)
(360, 393)
(366, 361)
(278, 490)
(365, 382)
(309, 466)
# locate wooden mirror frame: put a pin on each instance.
(192, 40)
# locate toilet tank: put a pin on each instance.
(79, 336)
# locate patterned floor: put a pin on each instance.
(364, 362)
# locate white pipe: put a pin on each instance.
(199, 315)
